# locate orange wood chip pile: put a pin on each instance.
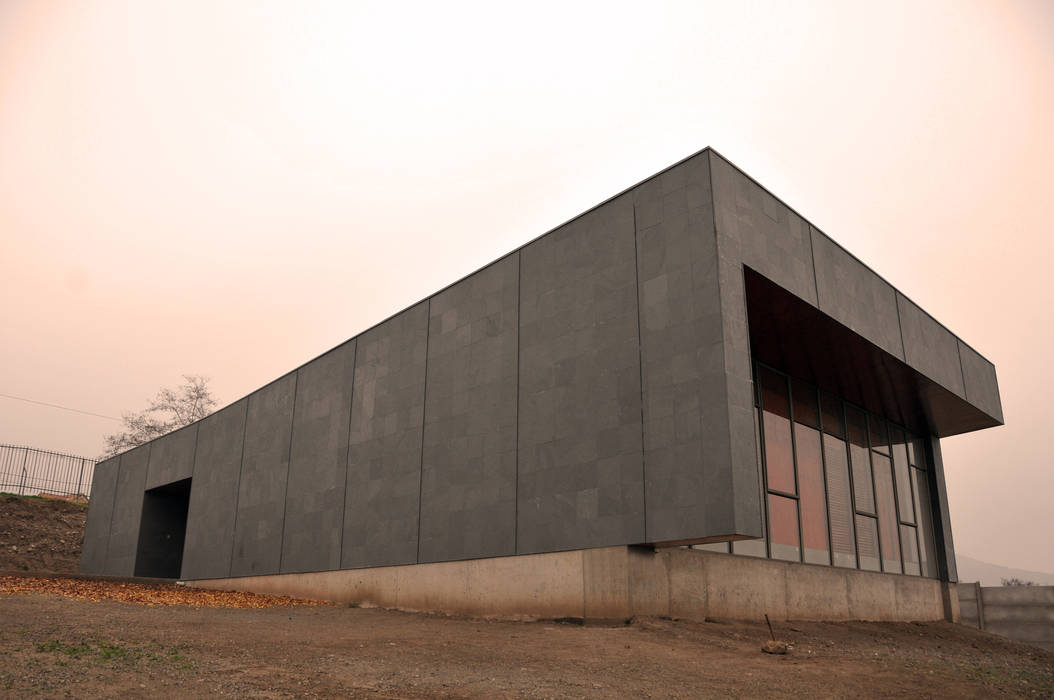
(144, 594)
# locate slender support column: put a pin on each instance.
(942, 524)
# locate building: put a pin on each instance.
(571, 431)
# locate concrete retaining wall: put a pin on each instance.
(1022, 613)
(614, 583)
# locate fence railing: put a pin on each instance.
(28, 471)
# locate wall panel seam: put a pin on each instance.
(640, 368)
(721, 307)
(190, 497)
(424, 425)
(141, 490)
(238, 492)
(962, 372)
(516, 482)
(288, 469)
(812, 257)
(113, 507)
(194, 455)
(347, 456)
(900, 327)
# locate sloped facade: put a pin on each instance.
(689, 363)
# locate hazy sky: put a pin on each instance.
(232, 188)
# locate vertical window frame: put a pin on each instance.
(815, 391)
(794, 461)
(908, 438)
(916, 468)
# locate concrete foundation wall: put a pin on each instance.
(615, 583)
(1022, 613)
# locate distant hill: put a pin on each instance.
(992, 574)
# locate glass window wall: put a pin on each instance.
(905, 502)
(840, 485)
(812, 497)
(783, 514)
(888, 529)
(779, 453)
(863, 489)
(927, 549)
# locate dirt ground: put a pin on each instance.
(65, 636)
(55, 646)
(40, 534)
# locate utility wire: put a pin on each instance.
(55, 405)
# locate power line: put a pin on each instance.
(55, 405)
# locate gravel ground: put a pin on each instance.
(59, 646)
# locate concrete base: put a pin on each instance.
(615, 583)
(1022, 613)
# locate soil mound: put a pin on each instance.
(40, 534)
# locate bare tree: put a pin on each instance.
(1017, 582)
(170, 409)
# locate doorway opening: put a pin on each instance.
(162, 529)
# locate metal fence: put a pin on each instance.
(28, 471)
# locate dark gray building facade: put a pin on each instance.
(689, 363)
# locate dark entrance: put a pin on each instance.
(162, 530)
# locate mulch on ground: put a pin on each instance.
(144, 594)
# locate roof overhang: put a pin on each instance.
(796, 337)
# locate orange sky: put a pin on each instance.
(231, 188)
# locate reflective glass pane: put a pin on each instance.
(783, 517)
(831, 412)
(812, 502)
(909, 545)
(843, 548)
(877, 429)
(905, 504)
(927, 549)
(779, 462)
(867, 542)
(888, 530)
(803, 399)
(754, 548)
(861, 461)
